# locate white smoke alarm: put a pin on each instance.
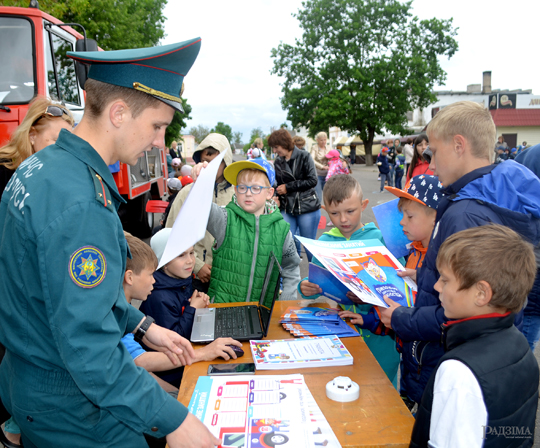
(342, 389)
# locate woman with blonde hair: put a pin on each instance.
(40, 128)
(318, 154)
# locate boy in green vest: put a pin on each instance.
(344, 204)
(245, 232)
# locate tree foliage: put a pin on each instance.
(224, 129)
(177, 124)
(237, 138)
(114, 24)
(361, 65)
(199, 132)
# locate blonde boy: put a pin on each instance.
(344, 204)
(484, 390)
(138, 284)
(246, 231)
(476, 193)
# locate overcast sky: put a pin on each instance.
(231, 81)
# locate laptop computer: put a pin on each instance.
(242, 323)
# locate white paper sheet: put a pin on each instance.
(190, 224)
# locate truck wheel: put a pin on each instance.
(135, 219)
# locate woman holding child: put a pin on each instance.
(296, 179)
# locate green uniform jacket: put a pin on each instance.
(241, 260)
(66, 378)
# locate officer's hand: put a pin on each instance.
(204, 273)
(170, 343)
(192, 434)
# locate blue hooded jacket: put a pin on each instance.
(531, 159)
(169, 304)
(507, 194)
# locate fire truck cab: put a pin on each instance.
(33, 47)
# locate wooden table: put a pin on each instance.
(377, 419)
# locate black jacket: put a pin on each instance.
(499, 357)
(300, 182)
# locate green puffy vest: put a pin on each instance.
(240, 262)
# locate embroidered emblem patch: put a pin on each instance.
(87, 267)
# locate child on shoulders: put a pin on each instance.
(486, 384)
(246, 231)
(336, 165)
(344, 204)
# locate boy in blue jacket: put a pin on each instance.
(172, 303)
(344, 204)
(384, 167)
(476, 193)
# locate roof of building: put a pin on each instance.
(500, 91)
(516, 117)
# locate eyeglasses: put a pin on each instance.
(255, 189)
(52, 111)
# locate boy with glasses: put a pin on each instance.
(246, 231)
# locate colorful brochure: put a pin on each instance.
(314, 321)
(302, 353)
(367, 268)
(314, 314)
(261, 411)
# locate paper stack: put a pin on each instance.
(322, 351)
(311, 321)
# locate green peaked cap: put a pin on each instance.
(157, 71)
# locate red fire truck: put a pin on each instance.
(33, 47)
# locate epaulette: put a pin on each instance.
(103, 195)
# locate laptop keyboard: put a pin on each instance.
(233, 322)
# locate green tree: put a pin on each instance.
(199, 132)
(361, 65)
(224, 129)
(237, 138)
(177, 124)
(116, 24)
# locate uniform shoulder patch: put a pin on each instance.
(87, 267)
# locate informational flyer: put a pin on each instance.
(367, 268)
(320, 351)
(261, 412)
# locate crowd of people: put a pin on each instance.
(83, 367)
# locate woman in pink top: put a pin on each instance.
(418, 164)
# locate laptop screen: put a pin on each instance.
(269, 292)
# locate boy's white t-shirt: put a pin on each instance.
(459, 413)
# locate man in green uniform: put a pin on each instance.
(66, 378)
